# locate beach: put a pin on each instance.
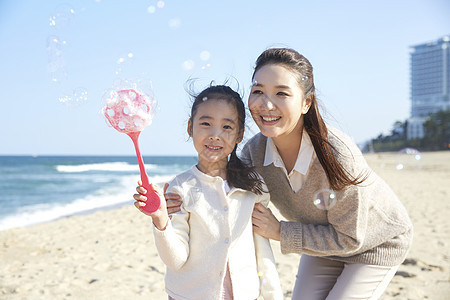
(110, 254)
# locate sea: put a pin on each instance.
(37, 189)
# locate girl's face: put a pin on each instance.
(276, 102)
(215, 131)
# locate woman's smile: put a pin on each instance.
(270, 120)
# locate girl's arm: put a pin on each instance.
(171, 235)
(268, 275)
(172, 243)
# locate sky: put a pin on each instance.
(57, 59)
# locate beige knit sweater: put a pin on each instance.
(368, 223)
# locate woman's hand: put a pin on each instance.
(265, 223)
(173, 201)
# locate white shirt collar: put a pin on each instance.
(303, 158)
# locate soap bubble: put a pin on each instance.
(151, 9)
(324, 199)
(188, 65)
(174, 23)
(409, 158)
(205, 55)
(78, 97)
(62, 16)
(160, 4)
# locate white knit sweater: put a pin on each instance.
(214, 228)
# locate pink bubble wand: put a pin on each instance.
(129, 111)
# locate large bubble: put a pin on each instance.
(324, 199)
(409, 159)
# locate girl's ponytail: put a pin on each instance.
(242, 176)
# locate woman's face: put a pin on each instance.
(276, 102)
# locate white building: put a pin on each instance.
(430, 82)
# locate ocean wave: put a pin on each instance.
(102, 199)
(112, 167)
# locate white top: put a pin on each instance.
(214, 228)
(298, 174)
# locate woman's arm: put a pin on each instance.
(265, 223)
(343, 235)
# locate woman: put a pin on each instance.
(351, 250)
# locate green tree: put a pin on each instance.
(437, 130)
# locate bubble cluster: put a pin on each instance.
(324, 199)
(409, 158)
(62, 16)
(78, 97)
(56, 46)
(123, 63)
(56, 62)
(128, 109)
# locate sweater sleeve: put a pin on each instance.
(173, 242)
(268, 275)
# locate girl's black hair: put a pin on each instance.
(239, 174)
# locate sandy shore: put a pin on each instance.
(111, 255)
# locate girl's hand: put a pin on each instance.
(265, 223)
(160, 216)
(173, 201)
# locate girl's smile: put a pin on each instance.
(215, 132)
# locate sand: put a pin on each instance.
(111, 255)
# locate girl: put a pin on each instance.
(209, 246)
(352, 250)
